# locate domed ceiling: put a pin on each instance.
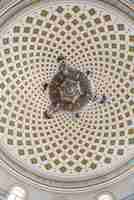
(96, 39)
